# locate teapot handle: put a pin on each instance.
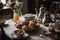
(36, 12)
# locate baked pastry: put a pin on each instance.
(25, 27)
(34, 21)
(19, 26)
(25, 22)
(37, 25)
(19, 32)
(51, 28)
(31, 25)
(57, 28)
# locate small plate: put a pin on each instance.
(24, 36)
(57, 30)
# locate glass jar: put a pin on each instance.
(16, 16)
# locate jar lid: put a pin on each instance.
(42, 7)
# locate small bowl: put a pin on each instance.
(18, 34)
(29, 16)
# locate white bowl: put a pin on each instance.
(29, 16)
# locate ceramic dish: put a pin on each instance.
(57, 30)
(19, 36)
(29, 16)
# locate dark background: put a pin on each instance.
(32, 4)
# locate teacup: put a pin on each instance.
(18, 34)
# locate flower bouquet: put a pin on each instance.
(16, 6)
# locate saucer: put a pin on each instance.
(57, 30)
(24, 36)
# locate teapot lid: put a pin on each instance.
(42, 7)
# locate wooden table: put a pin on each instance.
(33, 36)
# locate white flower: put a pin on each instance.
(19, 4)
